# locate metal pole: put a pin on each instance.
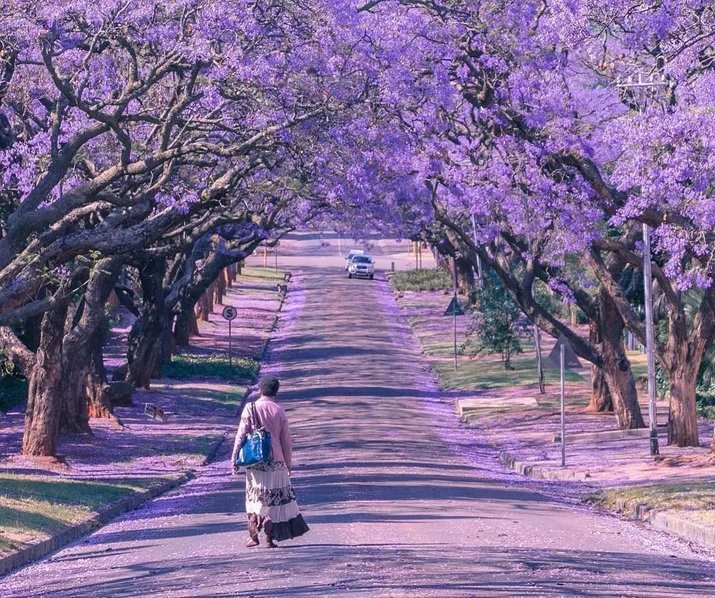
(479, 259)
(454, 315)
(650, 340)
(539, 357)
(230, 363)
(276, 259)
(562, 360)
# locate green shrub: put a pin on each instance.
(430, 279)
(13, 386)
(706, 403)
(497, 322)
(211, 366)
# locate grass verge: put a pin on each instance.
(432, 279)
(488, 373)
(684, 496)
(33, 507)
(267, 273)
(183, 367)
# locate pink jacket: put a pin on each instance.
(273, 418)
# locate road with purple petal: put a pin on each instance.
(401, 498)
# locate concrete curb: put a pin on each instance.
(540, 473)
(262, 353)
(664, 520)
(668, 521)
(71, 533)
(213, 451)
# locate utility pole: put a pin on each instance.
(454, 316)
(650, 341)
(643, 85)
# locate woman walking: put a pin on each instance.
(270, 500)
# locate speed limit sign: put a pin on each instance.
(229, 313)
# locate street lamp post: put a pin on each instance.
(650, 341)
(645, 84)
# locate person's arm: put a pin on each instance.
(286, 444)
(243, 427)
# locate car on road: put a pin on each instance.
(361, 266)
(351, 254)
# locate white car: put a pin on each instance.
(361, 266)
(351, 254)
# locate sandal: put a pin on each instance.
(252, 542)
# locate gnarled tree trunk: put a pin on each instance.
(682, 417)
(145, 337)
(616, 367)
(601, 400)
(42, 417)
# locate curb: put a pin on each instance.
(660, 519)
(540, 473)
(214, 449)
(667, 521)
(262, 353)
(69, 534)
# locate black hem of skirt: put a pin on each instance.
(287, 530)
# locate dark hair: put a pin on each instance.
(269, 386)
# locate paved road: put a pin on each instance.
(401, 500)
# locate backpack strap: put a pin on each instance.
(257, 425)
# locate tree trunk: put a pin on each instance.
(81, 345)
(97, 386)
(185, 326)
(682, 418)
(204, 307)
(74, 417)
(42, 417)
(220, 288)
(166, 351)
(182, 327)
(616, 367)
(601, 400)
(145, 337)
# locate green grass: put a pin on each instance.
(682, 496)
(433, 279)
(34, 507)
(229, 398)
(13, 392)
(267, 273)
(183, 367)
(489, 373)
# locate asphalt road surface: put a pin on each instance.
(402, 500)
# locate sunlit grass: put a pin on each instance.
(260, 272)
(33, 507)
(185, 366)
(489, 373)
(428, 279)
(680, 496)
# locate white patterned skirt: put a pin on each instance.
(270, 498)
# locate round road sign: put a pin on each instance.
(229, 313)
